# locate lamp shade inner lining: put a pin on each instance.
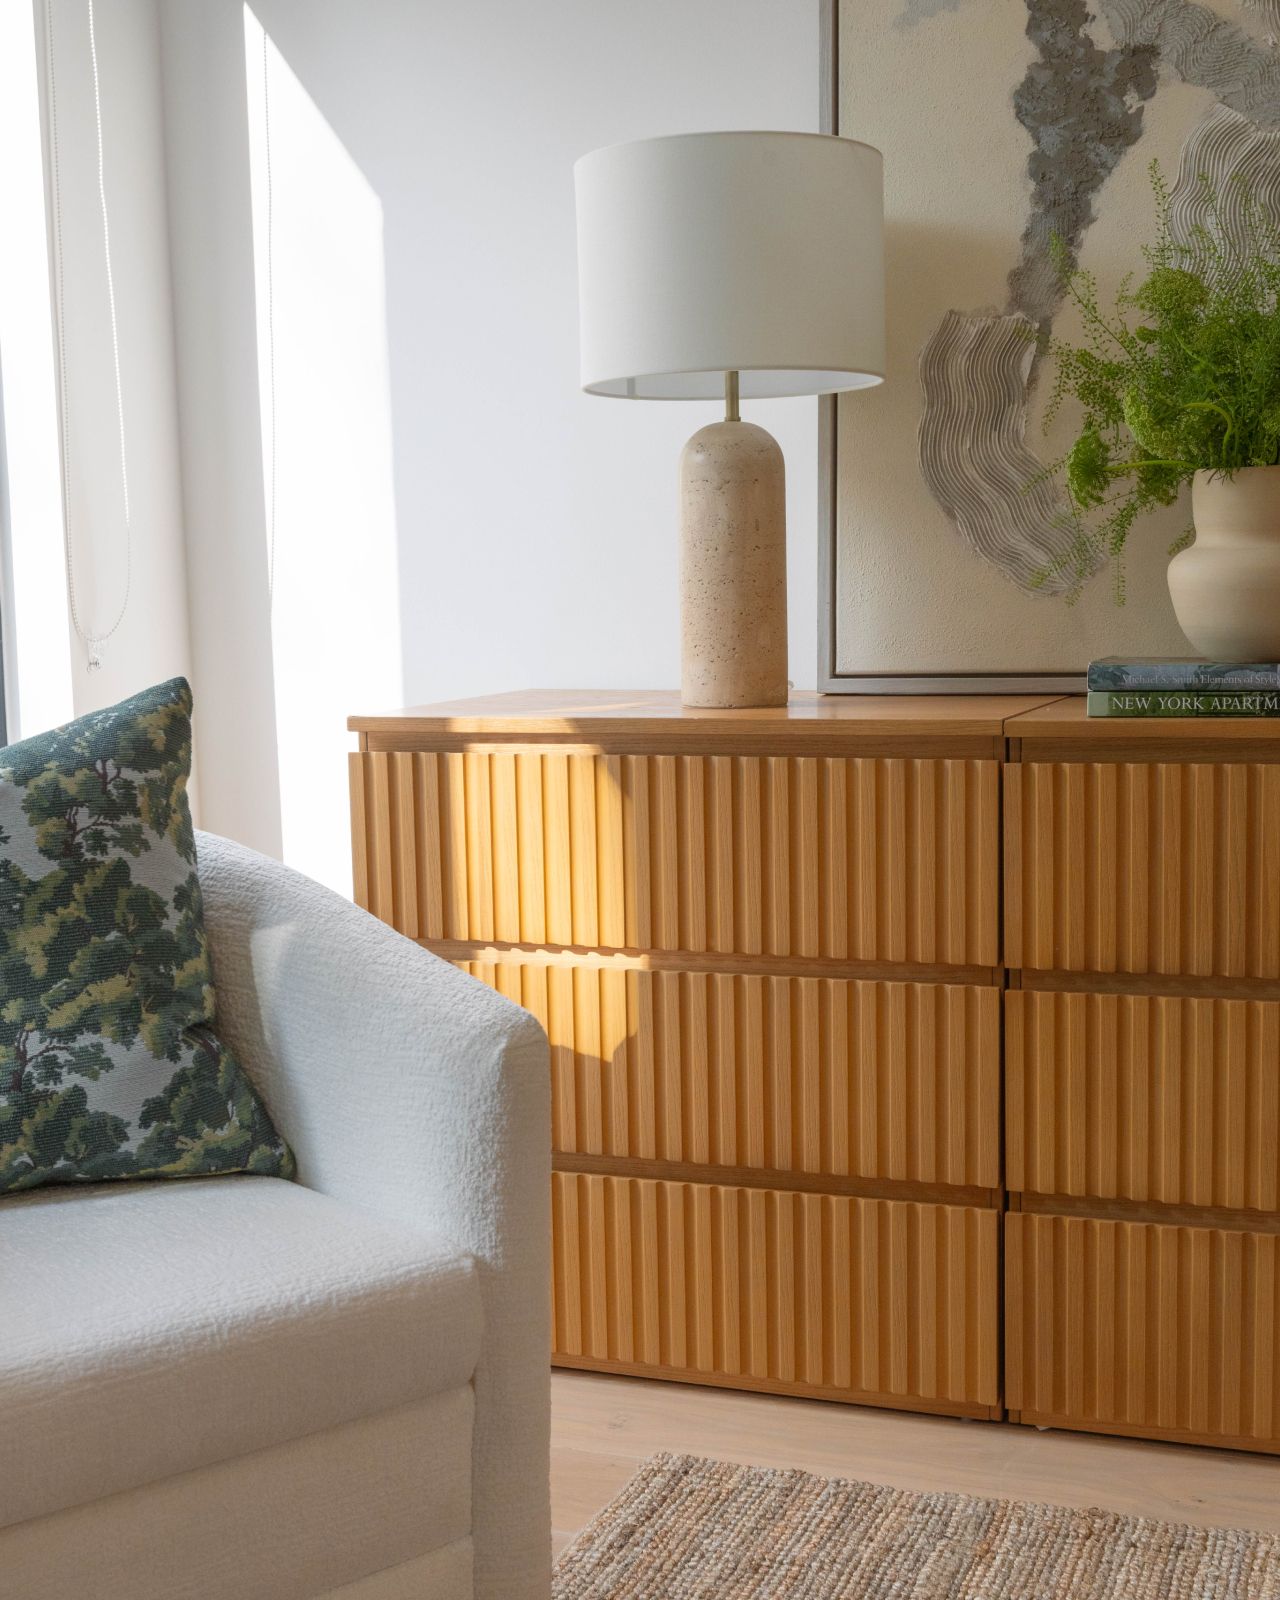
(709, 385)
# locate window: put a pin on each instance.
(33, 613)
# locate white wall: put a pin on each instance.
(151, 642)
(536, 527)
(327, 450)
(211, 259)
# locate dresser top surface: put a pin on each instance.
(593, 712)
(1068, 720)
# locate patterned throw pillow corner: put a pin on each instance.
(110, 1065)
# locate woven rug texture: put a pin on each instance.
(690, 1529)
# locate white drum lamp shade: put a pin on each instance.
(707, 253)
(749, 265)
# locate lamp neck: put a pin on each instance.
(731, 413)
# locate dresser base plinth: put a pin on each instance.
(802, 1391)
(1126, 1430)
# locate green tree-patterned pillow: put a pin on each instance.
(109, 1063)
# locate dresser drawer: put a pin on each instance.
(1155, 867)
(1146, 1098)
(1140, 1328)
(846, 858)
(860, 1299)
(833, 1076)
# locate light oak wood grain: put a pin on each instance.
(766, 948)
(591, 715)
(842, 858)
(829, 1183)
(1143, 867)
(1066, 718)
(809, 1075)
(725, 963)
(1130, 1325)
(1162, 1213)
(849, 1296)
(1144, 1098)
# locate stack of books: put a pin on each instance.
(1151, 688)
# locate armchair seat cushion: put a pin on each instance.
(148, 1329)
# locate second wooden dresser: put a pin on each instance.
(766, 950)
(1142, 1060)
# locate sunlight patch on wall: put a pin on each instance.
(326, 448)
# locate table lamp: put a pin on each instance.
(748, 264)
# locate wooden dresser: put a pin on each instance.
(817, 1115)
(1142, 1070)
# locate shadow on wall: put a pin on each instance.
(324, 391)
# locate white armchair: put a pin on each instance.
(234, 1387)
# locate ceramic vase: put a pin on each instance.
(1226, 586)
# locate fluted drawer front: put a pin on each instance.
(849, 858)
(874, 1297)
(1140, 1097)
(1132, 1325)
(850, 1078)
(1157, 867)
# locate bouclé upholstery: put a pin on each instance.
(339, 1387)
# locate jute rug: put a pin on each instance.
(688, 1529)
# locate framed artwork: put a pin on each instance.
(1005, 124)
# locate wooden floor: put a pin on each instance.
(602, 1428)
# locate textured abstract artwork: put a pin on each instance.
(1006, 124)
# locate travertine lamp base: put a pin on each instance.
(733, 583)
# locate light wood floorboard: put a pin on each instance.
(602, 1428)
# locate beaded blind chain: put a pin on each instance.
(93, 639)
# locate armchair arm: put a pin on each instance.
(406, 1087)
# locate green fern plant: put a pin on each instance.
(1182, 376)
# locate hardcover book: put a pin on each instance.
(1181, 703)
(1233, 677)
